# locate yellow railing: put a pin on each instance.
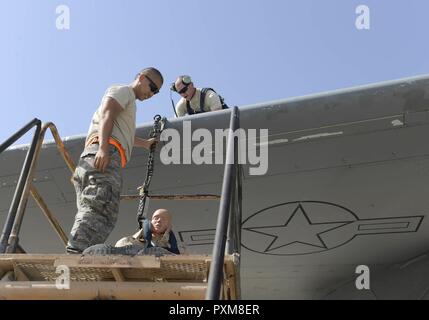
(30, 188)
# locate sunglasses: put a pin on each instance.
(184, 89)
(152, 85)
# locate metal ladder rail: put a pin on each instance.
(7, 228)
(11, 237)
(228, 223)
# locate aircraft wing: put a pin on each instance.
(346, 185)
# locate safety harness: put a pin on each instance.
(204, 91)
(147, 235)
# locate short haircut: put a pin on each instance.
(151, 70)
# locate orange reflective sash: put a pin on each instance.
(114, 143)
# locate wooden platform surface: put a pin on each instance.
(115, 276)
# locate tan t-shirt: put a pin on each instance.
(124, 127)
(211, 103)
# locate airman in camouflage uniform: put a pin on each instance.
(98, 176)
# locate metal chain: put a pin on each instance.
(158, 126)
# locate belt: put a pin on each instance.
(116, 144)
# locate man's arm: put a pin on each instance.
(213, 101)
(144, 143)
(181, 108)
(110, 110)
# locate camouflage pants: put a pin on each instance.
(97, 198)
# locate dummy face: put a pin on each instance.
(161, 221)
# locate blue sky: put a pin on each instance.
(250, 51)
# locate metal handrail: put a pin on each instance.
(229, 188)
(13, 138)
(48, 214)
(233, 243)
(12, 236)
(17, 197)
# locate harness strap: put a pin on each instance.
(203, 93)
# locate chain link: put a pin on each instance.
(158, 126)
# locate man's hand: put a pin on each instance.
(102, 159)
(145, 143)
(150, 142)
